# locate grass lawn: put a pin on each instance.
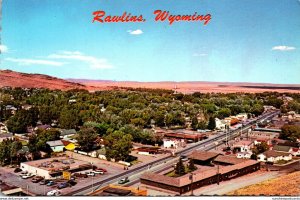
(172, 173)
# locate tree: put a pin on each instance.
(192, 166)
(224, 112)
(257, 109)
(180, 169)
(86, 138)
(290, 132)
(194, 123)
(211, 123)
(260, 148)
(68, 118)
(118, 145)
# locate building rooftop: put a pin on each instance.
(228, 159)
(243, 143)
(55, 143)
(197, 175)
(281, 148)
(56, 164)
(203, 155)
(64, 132)
(272, 153)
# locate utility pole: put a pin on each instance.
(191, 177)
(218, 175)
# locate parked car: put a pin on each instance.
(123, 180)
(50, 183)
(17, 170)
(226, 149)
(37, 179)
(97, 171)
(63, 185)
(26, 176)
(72, 182)
(23, 173)
(90, 173)
(53, 193)
(44, 182)
(102, 169)
(80, 175)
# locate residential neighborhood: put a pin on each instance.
(66, 158)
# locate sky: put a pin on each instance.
(245, 41)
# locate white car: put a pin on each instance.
(90, 174)
(98, 172)
(27, 176)
(53, 193)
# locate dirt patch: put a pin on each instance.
(285, 185)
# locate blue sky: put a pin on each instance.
(245, 41)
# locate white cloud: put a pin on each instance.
(136, 32)
(24, 61)
(93, 62)
(283, 48)
(3, 48)
(199, 54)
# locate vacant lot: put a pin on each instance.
(285, 185)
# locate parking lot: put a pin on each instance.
(9, 176)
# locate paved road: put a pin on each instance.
(161, 163)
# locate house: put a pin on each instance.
(170, 144)
(6, 136)
(243, 146)
(65, 133)
(274, 156)
(220, 124)
(56, 146)
(11, 108)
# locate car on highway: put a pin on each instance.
(50, 183)
(184, 158)
(97, 171)
(53, 193)
(123, 180)
(63, 185)
(90, 173)
(102, 169)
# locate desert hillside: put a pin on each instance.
(17, 79)
(285, 185)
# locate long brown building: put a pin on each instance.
(200, 178)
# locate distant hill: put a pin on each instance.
(17, 79)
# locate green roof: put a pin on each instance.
(281, 148)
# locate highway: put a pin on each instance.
(167, 162)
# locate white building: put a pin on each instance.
(171, 144)
(246, 155)
(274, 156)
(220, 124)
